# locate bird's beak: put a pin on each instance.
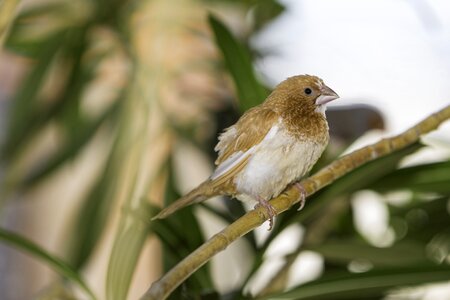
(326, 95)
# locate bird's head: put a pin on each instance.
(303, 92)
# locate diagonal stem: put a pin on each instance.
(162, 288)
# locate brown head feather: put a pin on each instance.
(298, 109)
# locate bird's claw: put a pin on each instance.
(270, 210)
(302, 191)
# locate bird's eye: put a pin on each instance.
(308, 91)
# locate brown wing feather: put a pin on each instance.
(250, 130)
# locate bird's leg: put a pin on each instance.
(302, 191)
(270, 210)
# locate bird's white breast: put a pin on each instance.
(278, 160)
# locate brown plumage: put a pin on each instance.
(271, 146)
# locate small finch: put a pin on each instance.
(270, 147)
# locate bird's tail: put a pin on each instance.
(199, 194)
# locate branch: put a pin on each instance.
(162, 288)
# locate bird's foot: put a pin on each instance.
(270, 210)
(302, 191)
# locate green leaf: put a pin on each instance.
(421, 220)
(347, 250)
(126, 250)
(364, 285)
(433, 177)
(238, 62)
(183, 222)
(25, 102)
(7, 16)
(93, 214)
(24, 39)
(181, 234)
(70, 149)
(177, 246)
(28, 114)
(42, 10)
(127, 247)
(265, 11)
(52, 261)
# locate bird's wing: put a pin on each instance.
(238, 142)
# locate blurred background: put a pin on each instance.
(110, 109)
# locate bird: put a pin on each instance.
(272, 146)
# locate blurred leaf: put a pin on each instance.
(72, 46)
(345, 251)
(7, 14)
(25, 104)
(26, 39)
(238, 62)
(265, 11)
(55, 263)
(374, 283)
(58, 290)
(181, 234)
(41, 10)
(92, 216)
(109, 11)
(183, 222)
(70, 149)
(422, 220)
(433, 177)
(127, 247)
(176, 246)
(82, 72)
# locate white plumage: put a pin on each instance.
(276, 161)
